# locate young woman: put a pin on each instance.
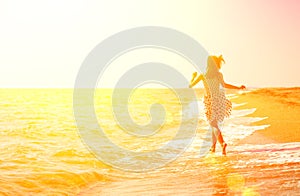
(217, 107)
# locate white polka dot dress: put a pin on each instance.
(217, 107)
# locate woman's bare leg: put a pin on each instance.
(218, 134)
(214, 140)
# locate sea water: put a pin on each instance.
(42, 151)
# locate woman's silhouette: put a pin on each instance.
(217, 107)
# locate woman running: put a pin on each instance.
(217, 107)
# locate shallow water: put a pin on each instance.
(42, 151)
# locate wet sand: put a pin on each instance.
(282, 107)
(264, 163)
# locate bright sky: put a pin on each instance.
(44, 42)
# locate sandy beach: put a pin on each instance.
(282, 107)
(123, 98)
(42, 152)
(258, 165)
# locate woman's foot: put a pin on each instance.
(224, 148)
(212, 149)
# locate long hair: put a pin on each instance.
(213, 65)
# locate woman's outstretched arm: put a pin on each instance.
(230, 86)
(194, 82)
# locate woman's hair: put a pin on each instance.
(214, 64)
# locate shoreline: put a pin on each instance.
(281, 106)
(254, 179)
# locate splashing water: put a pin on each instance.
(42, 153)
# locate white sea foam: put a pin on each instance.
(238, 126)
